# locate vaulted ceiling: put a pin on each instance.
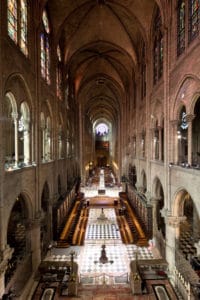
(101, 40)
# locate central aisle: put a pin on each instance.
(105, 231)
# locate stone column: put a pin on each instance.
(152, 144)
(154, 202)
(172, 234)
(15, 119)
(174, 147)
(35, 241)
(197, 246)
(5, 256)
(160, 142)
(26, 135)
(189, 121)
(43, 142)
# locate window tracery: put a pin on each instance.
(194, 11)
(45, 48)
(181, 27)
(18, 23)
(158, 49)
(59, 74)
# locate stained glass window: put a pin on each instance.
(23, 27)
(193, 18)
(59, 74)
(17, 23)
(45, 21)
(102, 129)
(59, 54)
(158, 49)
(181, 27)
(12, 20)
(45, 48)
(42, 54)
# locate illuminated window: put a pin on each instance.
(44, 48)
(12, 20)
(102, 129)
(181, 27)
(59, 74)
(23, 27)
(193, 19)
(158, 49)
(17, 23)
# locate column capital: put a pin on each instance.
(155, 199)
(14, 116)
(174, 221)
(190, 118)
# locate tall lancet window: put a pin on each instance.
(23, 27)
(194, 17)
(59, 74)
(157, 49)
(12, 20)
(17, 23)
(181, 27)
(44, 48)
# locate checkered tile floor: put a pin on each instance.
(98, 229)
(102, 231)
(119, 258)
(119, 255)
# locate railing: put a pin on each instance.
(104, 278)
(186, 280)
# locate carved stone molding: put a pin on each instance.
(190, 118)
(6, 254)
(174, 221)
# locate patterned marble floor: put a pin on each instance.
(103, 232)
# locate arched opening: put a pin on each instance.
(144, 182)
(47, 145)
(189, 228)
(156, 141)
(102, 144)
(19, 265)
(132, 175)
(182, 133)
(158, 219)
(24, 134)
(196, 135)
(160, 205)
(10, 128)
(45, 233)
(59, 185)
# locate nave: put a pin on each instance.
(105, 262)
(94, 277)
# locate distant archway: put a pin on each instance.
(18, 239)
(189, 230)
(45, 236)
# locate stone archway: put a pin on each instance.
(45, 229)
(159, 227)
(196, 135)
(144, 181)
(189, 229)
(132, 175)
(19, 240)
